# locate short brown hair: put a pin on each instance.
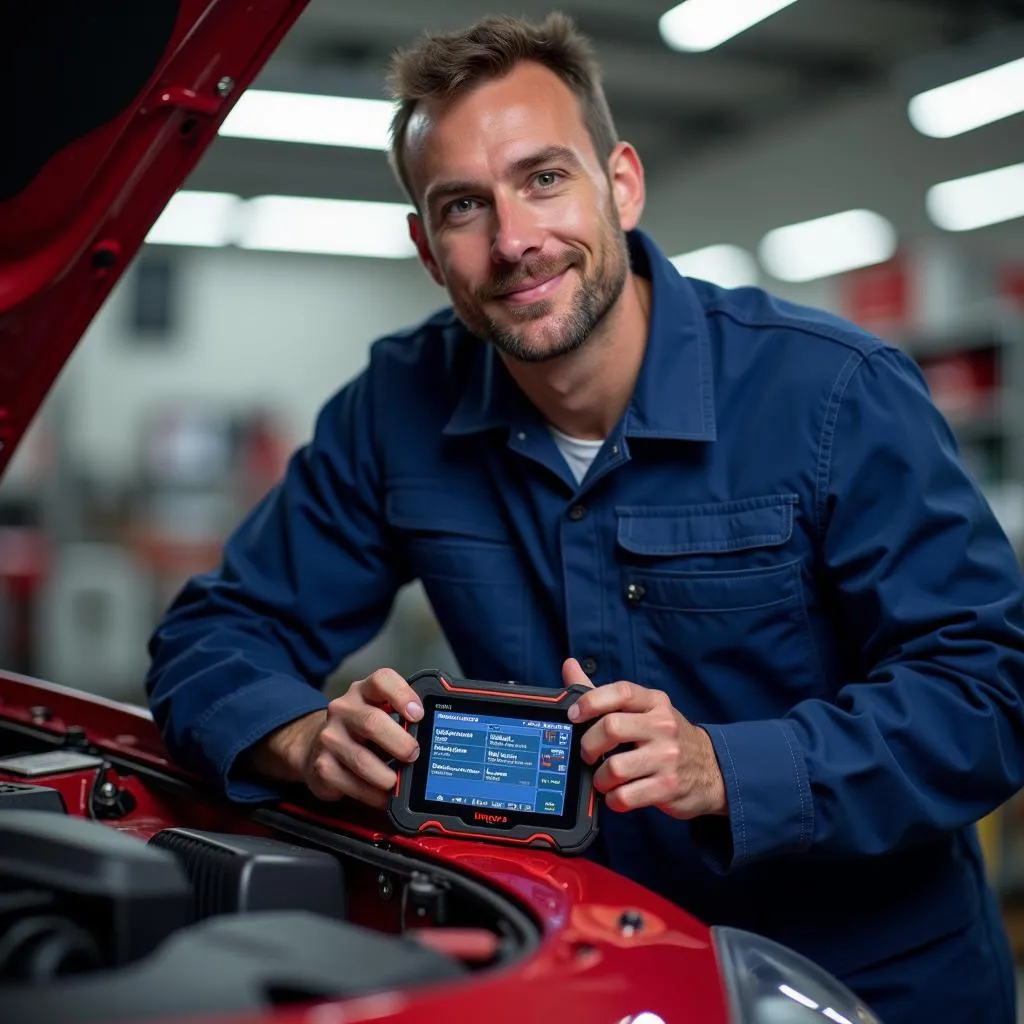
(442, 65)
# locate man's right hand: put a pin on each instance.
(335, 752)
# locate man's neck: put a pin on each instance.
(584, 393)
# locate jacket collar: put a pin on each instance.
(674, 393)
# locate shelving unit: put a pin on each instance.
(975, 368)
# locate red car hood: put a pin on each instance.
(113, 106)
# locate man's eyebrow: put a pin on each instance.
(547, 155)
(449, 188)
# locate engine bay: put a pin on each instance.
(127, 897)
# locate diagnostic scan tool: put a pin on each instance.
(498, 761)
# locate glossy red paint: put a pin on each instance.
(69, 235)
(588, 968)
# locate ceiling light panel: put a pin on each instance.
(697, 25)
(340, 227)
(728, 266)
(828, 245)
(311, 119)
(965, 204)
(969, 103)
(196, 218)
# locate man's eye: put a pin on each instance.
(464, 205)
(547, 178)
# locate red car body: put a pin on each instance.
(586, 967)
(604, 949)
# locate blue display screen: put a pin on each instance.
(511, 764)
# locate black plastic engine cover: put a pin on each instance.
(129, 896)
(22, 796)
(240, 964)
(236, 873)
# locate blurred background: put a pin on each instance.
(864, 156)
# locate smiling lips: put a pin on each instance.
(533, 291)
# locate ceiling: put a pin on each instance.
(667, 103)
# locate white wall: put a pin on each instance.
(289, 329)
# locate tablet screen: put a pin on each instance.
(498, 762)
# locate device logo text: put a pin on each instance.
(491, 819)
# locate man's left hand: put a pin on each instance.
(666, 762)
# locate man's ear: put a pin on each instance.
(418, 234)
(626, 176)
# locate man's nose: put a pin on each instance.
(516, 231)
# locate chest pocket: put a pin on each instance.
(459, 549)
(715, 598)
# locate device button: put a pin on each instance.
(589, 665)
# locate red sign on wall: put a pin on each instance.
(878, 297)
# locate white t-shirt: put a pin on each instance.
(578, 453)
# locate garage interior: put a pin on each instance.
(208, 364)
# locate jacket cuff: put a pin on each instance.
(243, 717)
(771, 810)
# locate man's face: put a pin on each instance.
(519, 220)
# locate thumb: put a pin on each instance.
(573, 674)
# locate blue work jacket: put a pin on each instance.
(779, 533)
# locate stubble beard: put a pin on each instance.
(595, 296)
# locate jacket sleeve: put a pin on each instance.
(927, 596)
(306, 578)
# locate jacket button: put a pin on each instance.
(589, 665)
(578, 512)
(635, 593)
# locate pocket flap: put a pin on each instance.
(427, 509)
(701, 529)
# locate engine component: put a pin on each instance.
(107, 800)
(249, 963)
(39, 947)
(48, 762)
(236, 873)
(423, 901)
(124, 894)
(22, 796)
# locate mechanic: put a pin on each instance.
(744, 521)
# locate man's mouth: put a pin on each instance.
(533, 291)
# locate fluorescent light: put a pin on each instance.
(341, 227)
(704, 24)
(836, 1016)
(798, 997)
(970, 102)
(728, 266)
(964, 204)
(301, 117)
(196, 218)
(828, 245)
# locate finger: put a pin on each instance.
(358, 759)
(620, 696)
(612, 731)
(573, 674)
(372, 724)
(624, 768)
(386, 686)
(330, 780)
(651, 791)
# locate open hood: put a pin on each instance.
(114, 104)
